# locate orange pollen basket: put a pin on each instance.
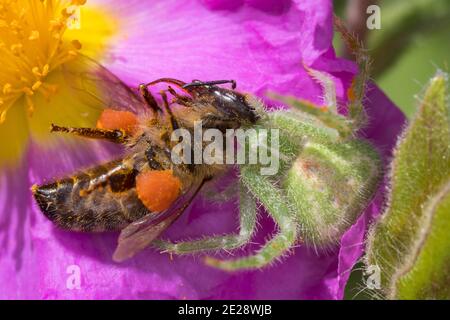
(158, 189)
(116, 120)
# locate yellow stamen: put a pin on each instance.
(30, 105)
(28, 91)
(7, 88)
(34, 35)
(17, 49)
(3, 116)
(36, 85)
(47, 90)
(76, 44)
(35, 71)
(78, 2)
(45, 70)
(23, 79)
(32, 46)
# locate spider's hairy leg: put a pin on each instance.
(324, 114)
(227, 242)
(226, 194)
(328, 109)
(327, 113)
(357, 91)
(272, 199)
(328, 87)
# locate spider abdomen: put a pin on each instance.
(329, 185)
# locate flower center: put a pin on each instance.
(32, 46)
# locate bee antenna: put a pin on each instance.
(198, 83)
(176, 82)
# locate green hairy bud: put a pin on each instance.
(426, 273)
(410, 243)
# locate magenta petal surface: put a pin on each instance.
(261, 44)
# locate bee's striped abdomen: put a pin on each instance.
(99, 199)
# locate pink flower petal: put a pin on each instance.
(261, 44)
(189, 40)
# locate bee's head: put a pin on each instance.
(228, 101)
(231, 103)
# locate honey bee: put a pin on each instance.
(143, 192)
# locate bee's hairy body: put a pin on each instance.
(104, 197)
(110, 206)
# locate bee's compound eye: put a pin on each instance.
(117, 120)
(157, 189)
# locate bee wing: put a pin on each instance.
(98, 88)
(139, 234)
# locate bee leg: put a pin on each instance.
(179, 99)
(173, 120)
(148, 97)
(247, 218)
(117, 136)
(214, 195)
(175, 82)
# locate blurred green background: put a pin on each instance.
(413, 42)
